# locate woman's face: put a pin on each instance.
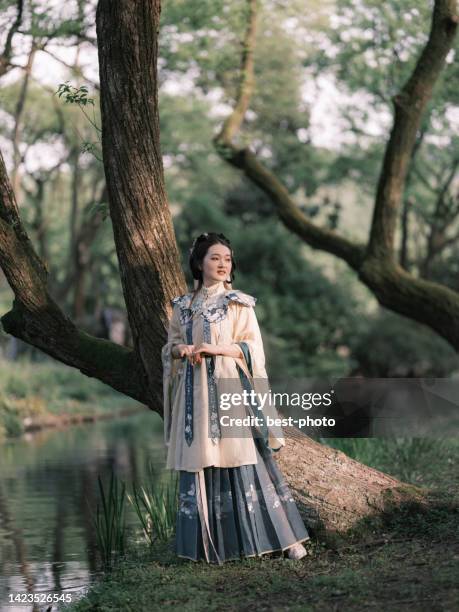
(216, 265)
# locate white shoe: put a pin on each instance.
(297, 551)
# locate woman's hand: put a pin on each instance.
(194, 354)
(184, 350)
(227, 350)
(205, 349)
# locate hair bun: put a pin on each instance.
(224, 238)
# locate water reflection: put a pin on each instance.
(48, 493)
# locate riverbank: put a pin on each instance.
(412, 564)
(36, 396)
(407, 559)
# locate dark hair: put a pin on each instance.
(198, 251)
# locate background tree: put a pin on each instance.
(332, 188)
(425, 301)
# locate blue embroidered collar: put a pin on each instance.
(216, 311)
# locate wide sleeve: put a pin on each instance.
(246, 329)
(170, 370)
(247, 335)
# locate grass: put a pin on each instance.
(110, 523)
(420, 461)
(406, 558)
(38, 393)
(156, 506)
(154, 503)
(411, 572)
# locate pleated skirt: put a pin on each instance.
(230, 513)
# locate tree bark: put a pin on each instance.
(336, 493)
(429, 303)
(338, 489)
(127, 34)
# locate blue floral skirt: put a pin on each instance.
(229, 513)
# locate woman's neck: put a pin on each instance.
(213, 287)
(212, 283)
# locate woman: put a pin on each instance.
(233, 499)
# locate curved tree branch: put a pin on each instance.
(287, 210)
(247, 81)
(426, 302)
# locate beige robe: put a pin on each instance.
(234, 322)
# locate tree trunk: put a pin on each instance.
(144, 236)
(334, 492)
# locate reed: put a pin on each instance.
(156, 507)
(110, 523)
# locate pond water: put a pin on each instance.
(48, 496)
